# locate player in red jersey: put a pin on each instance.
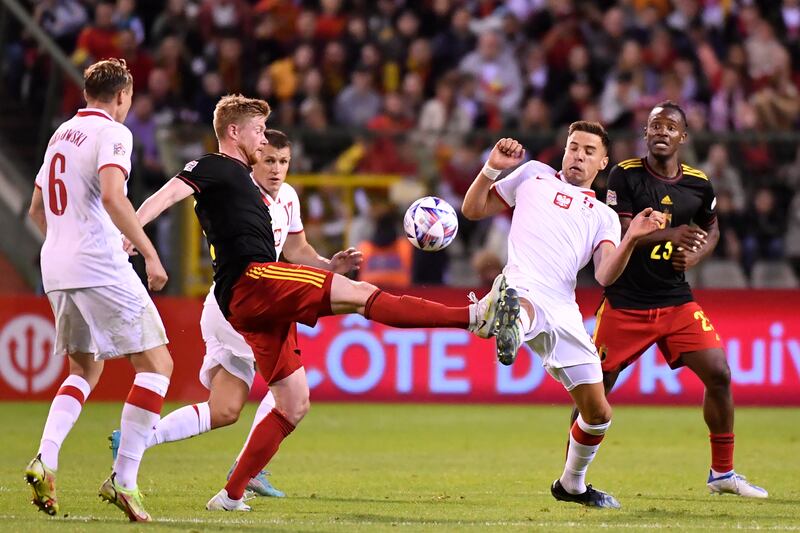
(263, 299)
(652, 302)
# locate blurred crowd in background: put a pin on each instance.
(422, 90)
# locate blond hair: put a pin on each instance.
(234, 108)
(104, 79)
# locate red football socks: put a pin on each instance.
(721, 452)
(412, 312)
(263, 444)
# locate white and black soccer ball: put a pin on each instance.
(430, 224)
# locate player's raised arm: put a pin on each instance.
(610, 261)
(171, 193)
(480, 202)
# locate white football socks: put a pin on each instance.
(140, 414)
(64, 412)
(580, 454)
(263, 410)
(183, 423)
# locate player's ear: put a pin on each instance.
(604, 163)
(684, 137)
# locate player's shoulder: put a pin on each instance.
(208, 163)
(693, 172)
(537, 168)
(629, 165)
(287, 192)
(606, 211)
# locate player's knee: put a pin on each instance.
(598, 414)
(223, 415)
(720, 378)
(298, 410)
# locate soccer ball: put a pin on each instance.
(430, 223)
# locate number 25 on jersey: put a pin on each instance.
(56, 188)
(662, 251)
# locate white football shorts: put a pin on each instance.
(224, 347)
(559, 337)
(109, 321)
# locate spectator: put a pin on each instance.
(724, 175)
(172, 56)
(358, 103)
(731, 226)
(125, 18)
(765, 228)
(138, 60)
(177, 19)
(218, 18)
(141, 121)
(442, 119)
(726, 103)
(62, 20)
(451, 45)
(388, 255)
(98, 41)
(286, 73)
(499, 81)
(212, 89)
(620, 97)
(330, 23)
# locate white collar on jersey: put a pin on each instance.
(584, 190)
(94, 111)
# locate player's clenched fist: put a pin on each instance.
(506, 153)
(156, 275)
(645, 223)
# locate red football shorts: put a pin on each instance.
(267, 301)
(622, 335)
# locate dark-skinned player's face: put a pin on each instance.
(665, 132)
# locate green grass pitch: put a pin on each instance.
(370, 467)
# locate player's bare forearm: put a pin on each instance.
(171, 193)
(656, 237)
(478, 202)
(36, 210)
(712, 239)
(611, 261)
(124, 218)
(306, 255)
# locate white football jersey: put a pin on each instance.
(285, 213)
(83, 247)
(555, 229)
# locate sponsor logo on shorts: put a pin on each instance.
(27, 362)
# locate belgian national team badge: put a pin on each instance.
(119, 149)
(562, 200)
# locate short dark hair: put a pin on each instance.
(594, 128)
(669, 104)
(277, 139)
(104, 79)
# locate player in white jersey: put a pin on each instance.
(556, 228)
(102, 310)
(229, 365)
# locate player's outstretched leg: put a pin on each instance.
(507, 327)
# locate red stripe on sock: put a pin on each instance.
(587, 439)
(70, 390)
(262, 446)
(145, 399)
(721, 451)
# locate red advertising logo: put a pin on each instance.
(27, 363)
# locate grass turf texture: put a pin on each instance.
(420, 467)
